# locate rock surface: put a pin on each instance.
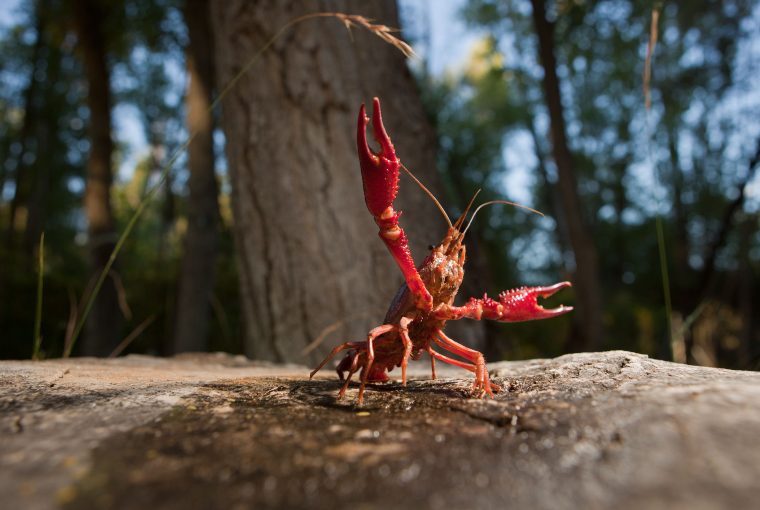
(595, 430)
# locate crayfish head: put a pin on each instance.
(443, 270)
(452, 245)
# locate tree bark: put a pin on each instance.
(588, 315)
(103, 323)
(309, 256)
(197, 272)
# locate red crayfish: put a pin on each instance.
(418, 313)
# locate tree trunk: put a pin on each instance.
(103, 324)
(588, 314)
(28, 127)
(727, 222)
(37, 200)
(309, 255)
(748, 346)
(20, 176)
(197, 273)
(684, 298)
(5, 147)
(552, 198)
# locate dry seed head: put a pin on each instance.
(382, 31)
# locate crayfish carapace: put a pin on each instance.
(419, 311)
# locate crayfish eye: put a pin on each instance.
(431, 247)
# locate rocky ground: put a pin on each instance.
(596, 430)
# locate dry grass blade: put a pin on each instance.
(330, 329)
(648, 61)
(321, 337)
(130, 337)
(72, 322)
(121, 294)
(76, 311)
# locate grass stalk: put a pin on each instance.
(38, 308)
(663, 256)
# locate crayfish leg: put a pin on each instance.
(432, 361)
(333, 353)
(477, 362)
(371, 336)
(451, 361)
(407, 341)
(354, 367)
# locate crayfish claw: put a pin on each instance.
(380, 171)
(522, 305)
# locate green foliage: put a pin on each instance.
(687, 161)
(689, 169)
(146, 58)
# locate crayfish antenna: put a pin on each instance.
(491, 202)
(429, 193)
(460, 220)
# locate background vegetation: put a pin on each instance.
(583, 146)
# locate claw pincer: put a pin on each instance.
(380, 172)
(517, 305)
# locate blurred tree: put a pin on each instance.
(31, 108)
(136, 61)
(43, 169)
(308, 252)
(103, 324)
(197, 273)
(41, 165)
(50, 164)
(586, 274)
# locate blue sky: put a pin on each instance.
(450, 39)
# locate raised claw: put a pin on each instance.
(380, 181)
(379, 170)
(515, 305)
